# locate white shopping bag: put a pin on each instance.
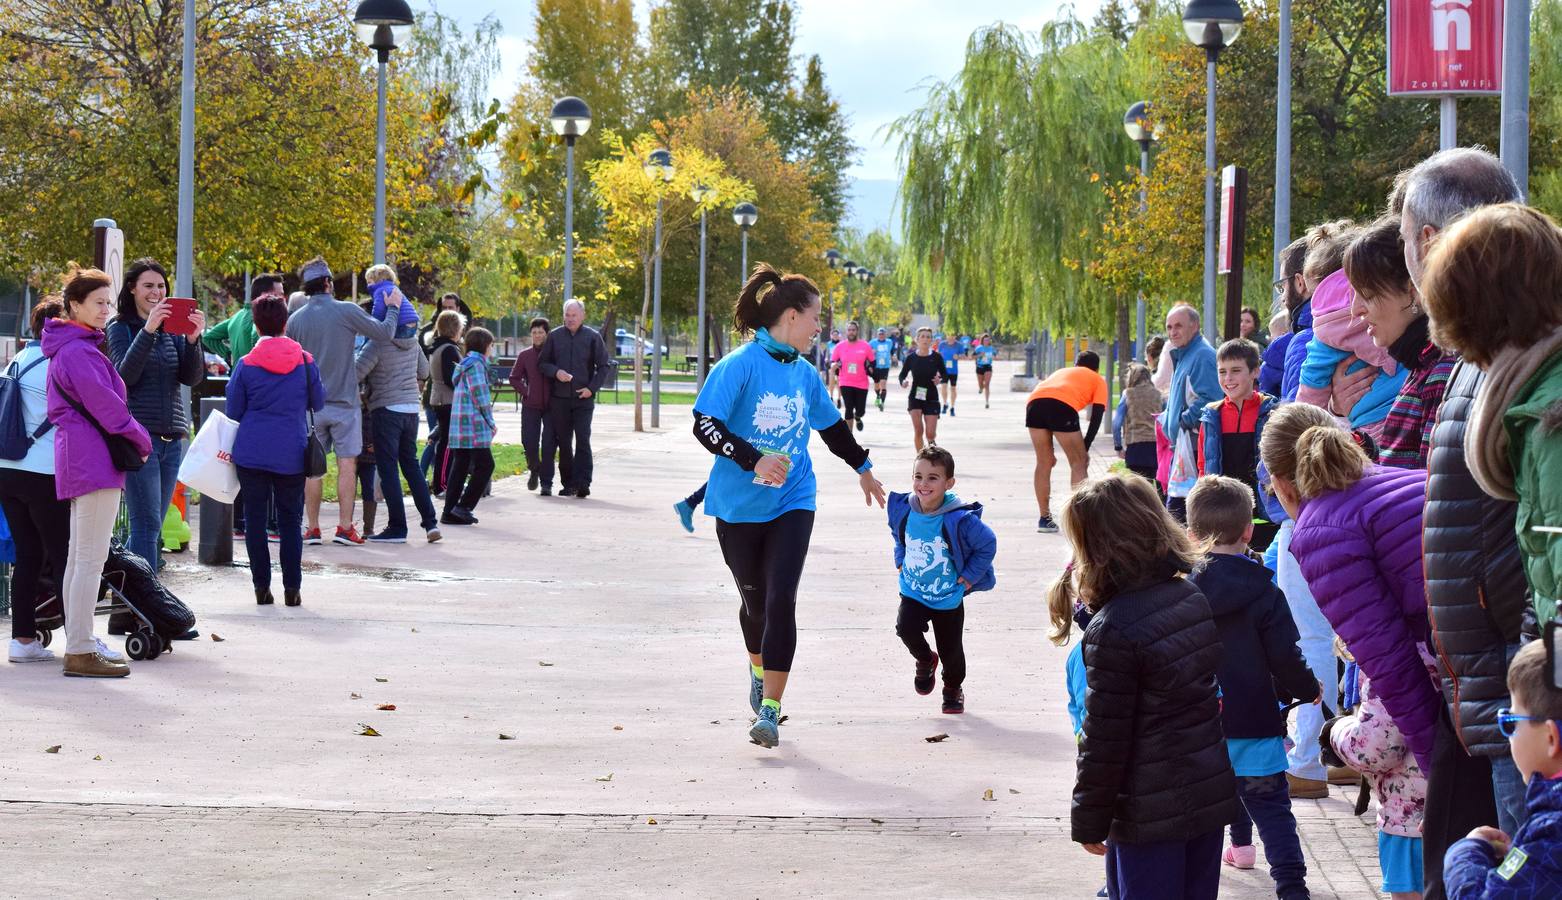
(208, 464)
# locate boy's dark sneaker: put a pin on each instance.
(923, 681)
(954, 702)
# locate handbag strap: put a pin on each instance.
(86, 415)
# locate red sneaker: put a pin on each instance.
(312, 537)
(348, 535)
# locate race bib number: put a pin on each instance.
(919, 394)
(851, 369)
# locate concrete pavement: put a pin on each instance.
(602, 641)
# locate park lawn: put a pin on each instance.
(626, 397)
(509, 459)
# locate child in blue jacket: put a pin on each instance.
(943, 551)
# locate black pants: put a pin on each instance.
(766, 559)
(470, 471)
(855, 401)
(531, 437)
(696, 498)
(263, 492)
(948, 633)
(440, 441)
(1459, 797)
(568, 432)
(41, 527)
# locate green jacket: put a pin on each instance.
(233, 337)
(1534, 426)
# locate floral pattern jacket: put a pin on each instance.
(1372, 744)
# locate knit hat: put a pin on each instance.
(315, 268)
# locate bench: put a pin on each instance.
(499, 381)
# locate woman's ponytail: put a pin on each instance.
(1060, 606)
(746, 314)
(767, 294)
(1327, 459)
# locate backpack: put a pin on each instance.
(14, 439)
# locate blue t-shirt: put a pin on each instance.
(1254, 757)
(983, 354)
(950, 351)
(772, 405)
(965, 345)
(928, 576)
(883, 349)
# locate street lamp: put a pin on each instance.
(383, 25)
(703, 194)
(1213, 25)
(744, 215)
(658, 167)
(1136, 123)
(570, 118)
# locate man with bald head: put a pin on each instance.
(575, 362)
(1195, 384)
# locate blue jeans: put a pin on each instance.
(1508, 787)
(396, 444)
(426, 461)
(267, 493)
(148, 491)
(1266, 802)
(1317, 646)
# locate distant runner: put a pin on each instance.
(983, 353)
(884, 353)
(850, 362)
(926, 371)
(949, 348)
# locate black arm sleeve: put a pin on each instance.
(713, 435)
(839, 439)
(1097, 411)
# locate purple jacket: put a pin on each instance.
(79, 368)
(1360, 551)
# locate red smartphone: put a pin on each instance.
(179, 321)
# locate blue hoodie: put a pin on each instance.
(972, 545)
(1271, 375)
(1533, 867)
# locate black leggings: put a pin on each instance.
(464, 491)
(855, 400)
(766, 559)
(948, 628)
(40, 526)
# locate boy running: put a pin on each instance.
(943, 551)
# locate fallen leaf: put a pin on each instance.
(381, 680)
(506, 737)
(387, 707)
(1013, 791)
(618, 728)
(609, 777)
(97, 759)
(217, 637)
(541, 663)
(414, 631)
(367, 730)
(650, 821)
(54, 749)
(782, 720)
(988, 795)
(355, 696)
(937, 738)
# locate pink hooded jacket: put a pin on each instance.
(1334, 325)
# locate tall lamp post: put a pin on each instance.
(1136, 124)
(864, 275)
(834, 260)
(1283, 140)
(383, 25)
(184, 257)
(570, 118)
(658, 167)
(702, 194)
(1213, 25)
(851, 269)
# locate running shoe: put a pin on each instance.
(859, 424)
(951, 409)
(1045, 525)
(348, 536)
(945, 410)
(756, 691)
(923, 680)
(113, 656)
(766, 730)
(312, 537)
(954, 701)
(838, 403)
(685, 515)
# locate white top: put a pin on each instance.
(35, 409)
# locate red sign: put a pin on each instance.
(1443, 47)
(1228, 207)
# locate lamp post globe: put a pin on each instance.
(833, 258)
(570, 118)
(1136, 123)
(383, 25)
(659, 165)
(1212, 24)
(744, 215)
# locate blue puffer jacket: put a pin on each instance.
(1210, 429)
(263, 397)
(1271, 375)
(1296, 350)
(1194, 368)
(972, 545)
(1533, 867)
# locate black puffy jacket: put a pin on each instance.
(1152, 757)
(1476, 592)
(153, 367)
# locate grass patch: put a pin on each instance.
(626, 397)
(509, 459)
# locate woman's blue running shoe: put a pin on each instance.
(766, 731)
(685, 515)
(756, 692)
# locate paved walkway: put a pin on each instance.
(602, 643)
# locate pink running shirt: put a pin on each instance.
(856, 358)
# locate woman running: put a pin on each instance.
(983, 353)
(754, 415)
(926, 370)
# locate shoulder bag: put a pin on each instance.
(314, 450)
(122, 451)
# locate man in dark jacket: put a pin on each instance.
(527, 379)
(1475, 586)
(576, 361)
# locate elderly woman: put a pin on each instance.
(271, 389)
(1493, 286)
(154, 365)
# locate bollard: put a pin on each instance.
(216, 535)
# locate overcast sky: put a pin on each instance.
(877, 54)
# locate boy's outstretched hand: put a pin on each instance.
(872, 489)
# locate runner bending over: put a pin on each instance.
(1053, 411)
(883, 357)
(754, 414)
(851, 361)
(926, 370)
(983, 354)
(949, 348)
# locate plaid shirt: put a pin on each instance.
(471, 410)
(1407, 431)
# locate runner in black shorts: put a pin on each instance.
(1052, 413)
(983, 353)
(926, 370)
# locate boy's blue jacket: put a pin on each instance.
(1469, 872)
(972, 545)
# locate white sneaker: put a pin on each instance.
(31, 652)
(433, 535)
(106, 653)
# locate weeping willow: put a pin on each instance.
(1000, 198)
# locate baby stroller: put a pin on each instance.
(137, 604)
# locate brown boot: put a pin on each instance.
(93, 665)
(1306, 788)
